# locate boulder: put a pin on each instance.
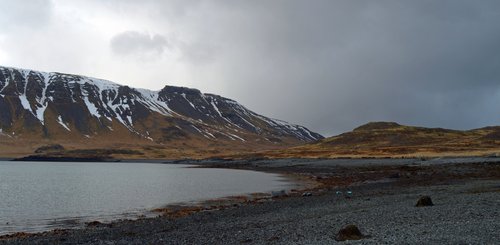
(424, 201)
(307, 194)
(94, 224)
(348, 194)
(281, 193)
(349, 232)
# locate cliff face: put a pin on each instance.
(58, 107)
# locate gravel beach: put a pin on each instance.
(465, 194)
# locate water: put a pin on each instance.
(38, 196)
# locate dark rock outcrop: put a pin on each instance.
(424, 201)
(349, 232)
(49, 148)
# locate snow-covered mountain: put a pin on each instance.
(62, 106)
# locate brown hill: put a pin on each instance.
(389, 139)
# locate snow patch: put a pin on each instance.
(40, 114)
(25, 103)
(42, 102)
(203, 133)
(210, 134)
(91, 107)
(61, 122)
(216, 108)
(184, 95)
(236, 136)
(5, 134)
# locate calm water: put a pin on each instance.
(37, 196)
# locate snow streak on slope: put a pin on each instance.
(61, 122)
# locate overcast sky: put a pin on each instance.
(328, 65)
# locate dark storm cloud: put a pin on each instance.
(332, 65)
(329, 65)
(136, 43)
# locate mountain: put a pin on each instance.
(382, 139)
(79, 112)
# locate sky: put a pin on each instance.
(328, 65)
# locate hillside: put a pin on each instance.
(389, 139)
(82, 113)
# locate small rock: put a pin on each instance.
(394, 176)
(281, 193)
(274, 238)
(307, 194)
(348, 194)
(424, 201)
(349, 232)
(248, 240)
(94, 224)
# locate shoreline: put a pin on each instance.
(210, 160)
(380, 179)
(176, 209)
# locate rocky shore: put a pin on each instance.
(379, 197)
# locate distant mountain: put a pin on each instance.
(381, 139)
(38, 108)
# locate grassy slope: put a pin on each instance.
(379, 139)
(383, 139)
(122, 144)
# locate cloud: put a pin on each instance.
(326, 64)
(138, 44)
(333, 65)
(25, 14)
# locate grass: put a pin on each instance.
(393, 140)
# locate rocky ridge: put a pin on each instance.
(58, 106)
